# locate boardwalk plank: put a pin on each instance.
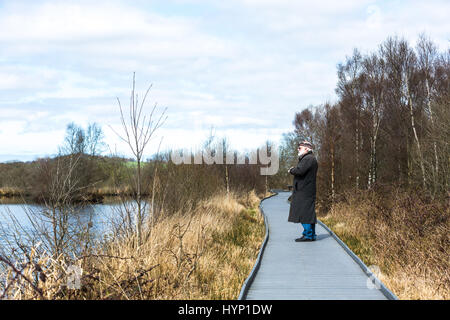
(307, 270)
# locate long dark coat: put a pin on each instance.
(303, 202)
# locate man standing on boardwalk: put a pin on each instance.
(303, 201)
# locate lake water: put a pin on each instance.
(98, 214)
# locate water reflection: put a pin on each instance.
(16, 212)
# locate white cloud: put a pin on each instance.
(60, 21)
(104, 30)
(243, 66)
(16, 139)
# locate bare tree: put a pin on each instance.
(305, 125)
(373, 92)
(408, 69)
(426, 58)
(94, 139)
(331, 139)
(349, 76)
(74, 141)
(400, 66)
(226, 150)
(138, 129)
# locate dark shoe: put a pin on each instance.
(303, 239)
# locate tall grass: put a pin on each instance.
(205, 252)
(406, 236)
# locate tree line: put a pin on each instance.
(389, 126)
(82, 167)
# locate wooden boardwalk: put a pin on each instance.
(323, 269)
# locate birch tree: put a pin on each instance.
(347, 88)
(374, 81)
(426, 58)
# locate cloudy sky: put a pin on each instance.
(243, 67)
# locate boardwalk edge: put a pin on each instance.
(251, 276)
(387, 293)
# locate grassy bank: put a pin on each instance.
(407, 238)
(205, 252)
(92, 195)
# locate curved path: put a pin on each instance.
(323, 269)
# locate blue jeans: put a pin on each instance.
(309, 230)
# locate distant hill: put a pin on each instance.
(10, 158)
